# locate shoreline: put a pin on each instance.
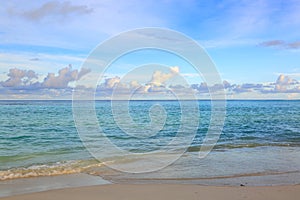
(165, 191)
(23, 186)
(36, 185)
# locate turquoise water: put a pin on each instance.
(39, 138)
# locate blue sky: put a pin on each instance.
(251, 42)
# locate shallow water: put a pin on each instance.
(259, 138)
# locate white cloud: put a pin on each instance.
(112, 82)
(52, 9)
(73, 24)
(155, 85)
(286, 84)
(292, 75)
(159, 78)
(62, 80)
(18, 77)
(281, 44)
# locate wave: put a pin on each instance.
(196, 148)
(52, 169)
(257, 174)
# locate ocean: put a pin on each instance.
(259, 143)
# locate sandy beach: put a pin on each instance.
(165, 191)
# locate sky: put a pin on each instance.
(255, 46)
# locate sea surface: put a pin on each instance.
(259, 143)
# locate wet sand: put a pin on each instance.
(166, 192)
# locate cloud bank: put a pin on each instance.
(27, 83)
(19, 79)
